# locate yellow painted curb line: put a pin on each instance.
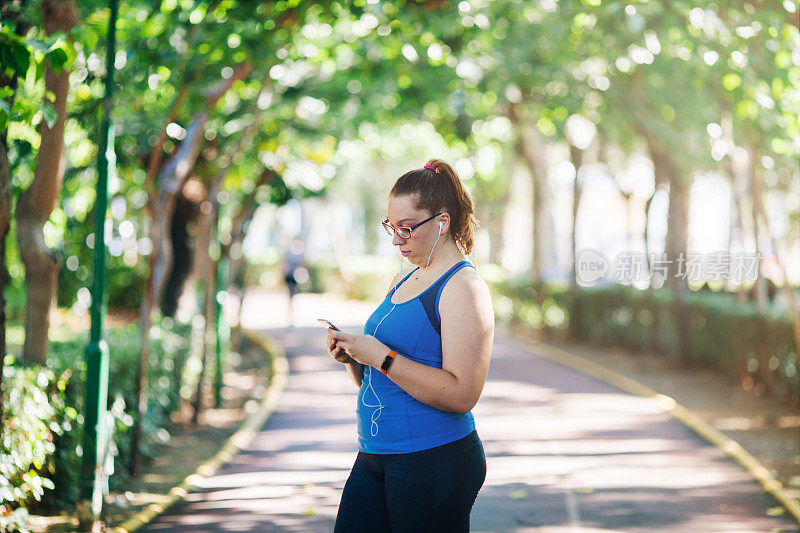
(237, 441)
(680, 413)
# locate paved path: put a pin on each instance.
(565, 452)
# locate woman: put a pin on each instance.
(420, 368)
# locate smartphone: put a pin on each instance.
(328, 323)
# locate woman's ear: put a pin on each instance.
(444, 223)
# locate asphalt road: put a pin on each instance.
(565, 452)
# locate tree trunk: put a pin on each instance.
(233, 250)
(667, 171)
(170, 181)
(741, 180)
(647, 206)
(576, 157)
(758, 207)
(37, 202)
(187, 211)
(576, 314)
(736, 234)
(158, 150)
(206, 272)
(677, 238)
(755, 190)
(241, 221)
(530, 147)
(493, 218)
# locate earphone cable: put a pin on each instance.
(376, 414)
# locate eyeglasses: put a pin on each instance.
(404, 232)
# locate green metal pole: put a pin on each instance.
(223, 333)
(95, 434)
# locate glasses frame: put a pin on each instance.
(391, 230)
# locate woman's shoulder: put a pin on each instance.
(466, 285)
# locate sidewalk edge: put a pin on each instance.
(237, 441)
(680, 413)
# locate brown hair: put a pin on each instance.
(441, 190)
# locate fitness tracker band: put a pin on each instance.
(387, 362)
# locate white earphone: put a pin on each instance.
(441, 225)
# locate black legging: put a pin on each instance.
(430, 490)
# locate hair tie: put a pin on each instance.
(431, 167)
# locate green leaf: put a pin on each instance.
(21, 58)
(777, 88)
(783, 59)
(731, 81)
(40, 69)
(39, 46)
(57, 58)
(49, 113)
(86, 34)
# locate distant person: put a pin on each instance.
(420, 367)
(293, 274)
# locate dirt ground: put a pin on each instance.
(767, 428)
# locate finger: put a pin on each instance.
(343, 344)
(339, 335)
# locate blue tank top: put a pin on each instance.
(389, 419)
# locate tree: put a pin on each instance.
(37, 202)
(16, 58)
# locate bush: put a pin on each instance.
(751, 346)
(540, 306)
(40, 451)
(29, 422)
(13, 521)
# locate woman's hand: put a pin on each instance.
(337, 352)
(364, 349)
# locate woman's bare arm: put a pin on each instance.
(467, 331)
(467, 334)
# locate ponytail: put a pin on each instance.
(438, 188)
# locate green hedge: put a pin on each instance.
(541, 306)
(751, 347)
(42, 424)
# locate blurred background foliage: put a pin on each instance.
(241, 125)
